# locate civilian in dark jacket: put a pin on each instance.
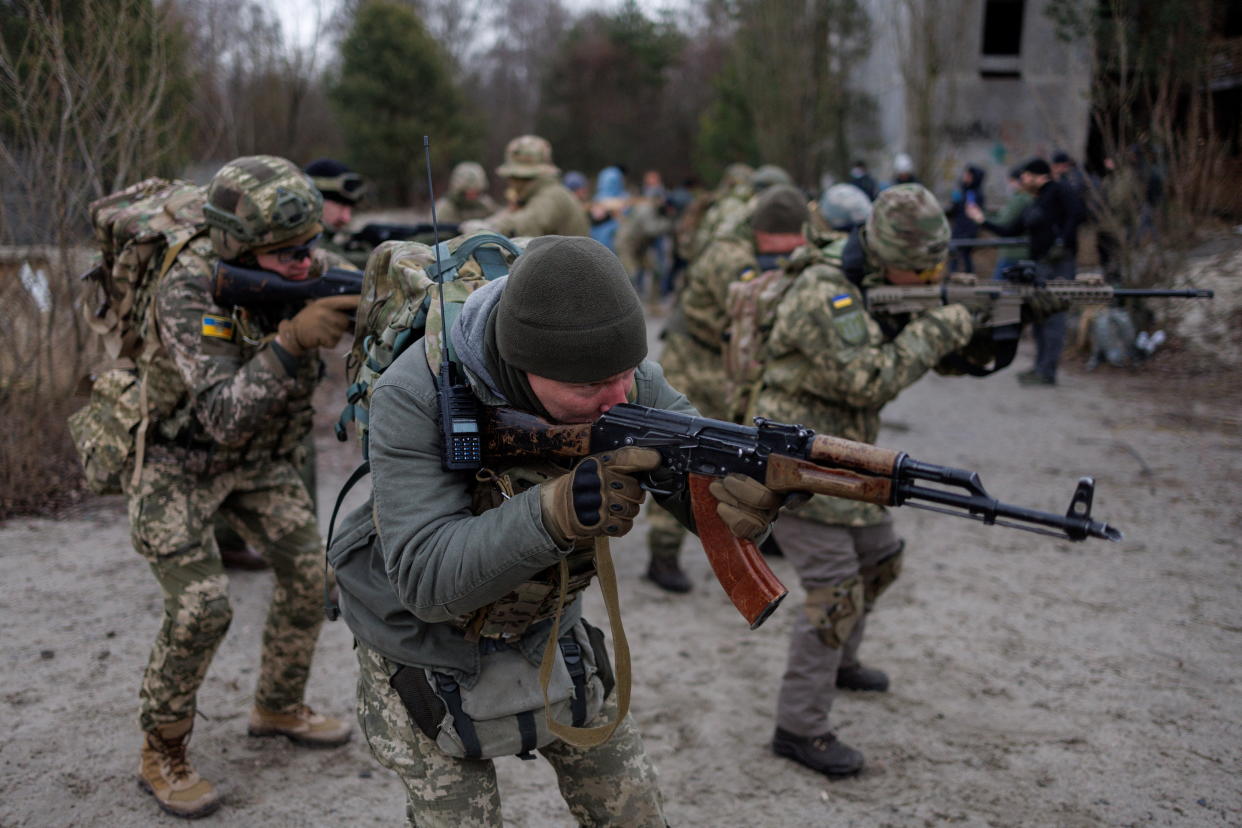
(969, 190)
(1051, 224)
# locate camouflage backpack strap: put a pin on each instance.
(151, 345)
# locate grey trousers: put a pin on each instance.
(1050, 333)
(822, 555)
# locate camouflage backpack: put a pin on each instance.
(751, 304)
(139, 231)
(401, 303)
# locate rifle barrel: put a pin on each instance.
(1170, 294)
(1005, 241)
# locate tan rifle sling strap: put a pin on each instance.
(591, 736)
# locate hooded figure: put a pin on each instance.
(969, 190)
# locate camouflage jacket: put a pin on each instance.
(215, 386)
(549, 210)
(830, 367)
(455, 208)
(724, 218)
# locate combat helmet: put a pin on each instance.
(468, 176)
(844, 206)
(907, 229)
(527, 156)
(258, 203)
(768, 175)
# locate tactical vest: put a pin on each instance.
(538, 598)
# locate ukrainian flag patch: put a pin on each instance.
(219, 327)
(747, 274)
(841, 300)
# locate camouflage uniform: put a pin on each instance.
(691, 358)
(613, 784)
(228, 424)
(726, 217)
(541, 206)
(457, 205)
(830, 366)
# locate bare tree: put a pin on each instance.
(88, 102)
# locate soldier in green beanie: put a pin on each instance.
(450, 594)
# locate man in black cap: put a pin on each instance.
(1051, 223)
(450, 581)
(342, 189)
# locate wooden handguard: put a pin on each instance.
(738, 564)
(838, 468)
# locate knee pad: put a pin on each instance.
(877, 578)
(202, 611)
(834, 611)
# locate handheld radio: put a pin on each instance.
(460, 437)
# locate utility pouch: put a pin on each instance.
(104, 431)
(502, 714)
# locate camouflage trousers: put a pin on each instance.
(697, 372)
(826, 558)
(170, 517)
(226, 535)
(613, 784)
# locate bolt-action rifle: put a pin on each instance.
(264, 290)
(1000, 304)
(788, 459)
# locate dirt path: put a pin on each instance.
(1035, 682)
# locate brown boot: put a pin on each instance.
(302, 725)
(165, 773)
(667, 575)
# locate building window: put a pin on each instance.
(1002, 38)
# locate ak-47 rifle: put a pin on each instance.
(264, 290)
(786, 458)
(1001, 303)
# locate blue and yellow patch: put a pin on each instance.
(219, 327)
(841, 300)
(747, 274)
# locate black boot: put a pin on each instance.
(667, 575)
(826, 754)
(859, 677)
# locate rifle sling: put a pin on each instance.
(590, 736)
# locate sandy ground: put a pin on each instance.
(1035, 682)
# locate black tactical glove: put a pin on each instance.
(598, 497)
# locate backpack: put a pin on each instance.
(751, 304)
(401, 303)
(139, 231)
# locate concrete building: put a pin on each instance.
(985, 82)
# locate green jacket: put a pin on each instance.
(831, 368)
(415, 556)
(549, 210)
(1018, 201)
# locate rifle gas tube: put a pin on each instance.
(785, 458)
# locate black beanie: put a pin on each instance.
(1037, 166)
(781, 209)
(569, 312)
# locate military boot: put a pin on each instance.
(859, 677)
(164, 772)
(667, 575)
(301, 725)
(826, 754)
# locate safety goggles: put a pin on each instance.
(296, 253)
(348, 184)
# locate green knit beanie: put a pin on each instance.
(569, 312)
